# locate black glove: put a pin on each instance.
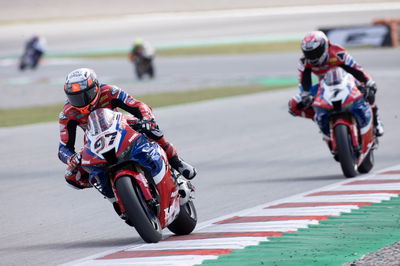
(306, 99)
(149, 128)
(74, 160)
(370, 91)
(145, 126)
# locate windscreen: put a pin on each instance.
(100, 120)
(334, 76)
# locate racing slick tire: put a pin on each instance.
(345, 151)
(186, 221)
(139, 213)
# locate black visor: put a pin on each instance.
(315, 53)
(83, 97)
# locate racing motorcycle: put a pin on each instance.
(30, 59)
(111, 154)
(351, 139)
(143, 62)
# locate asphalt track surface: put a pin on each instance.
(111, 33)
(248, 150)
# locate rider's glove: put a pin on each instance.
(74, 160)
(370, 90)
(147, 125)
(306, 99)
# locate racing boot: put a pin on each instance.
(379, 129)
(185, 190)
(185, 169)
(377, 122)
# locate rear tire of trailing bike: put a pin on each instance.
(186, 220)
(368, 163)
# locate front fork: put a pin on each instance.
(140, 179)
(352, 126)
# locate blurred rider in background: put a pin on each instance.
(35, 48)
(319, 56)
(85, 94)
(142, 56)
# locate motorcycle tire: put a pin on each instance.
(22, 66)
(139, 75)
(139, 214)
(345, 151)
(186, 221)
(367, 164)
(151, 71)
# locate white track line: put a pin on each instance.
(242, 229)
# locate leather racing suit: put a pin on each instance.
(337, 57)
(110, 97)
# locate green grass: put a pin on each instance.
(234, 48)
(31, 115)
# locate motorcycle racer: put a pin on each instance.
(35, 48)
(319, 56)
(142, 56)
(85, 94)
(360, 108)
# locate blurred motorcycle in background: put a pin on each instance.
(34, 50)
(142, 56)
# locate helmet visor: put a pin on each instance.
(82, 98)
(315, 54)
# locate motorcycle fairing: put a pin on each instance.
(140, 179)
(115, 133)
(107, 135)
(339, 101)
(346, 92)
(352, 129)
(360, 109)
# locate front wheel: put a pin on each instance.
(22, 65)
(345, 150)
(139, 214)
(186, 221)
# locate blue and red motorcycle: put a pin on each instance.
(124, 164)
(346, 121)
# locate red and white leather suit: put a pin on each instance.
(337, 57)
(110, 97)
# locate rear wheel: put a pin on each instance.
(368, 163)
(186, 221)
(345, 151)
(139, 214)
(22, 65)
